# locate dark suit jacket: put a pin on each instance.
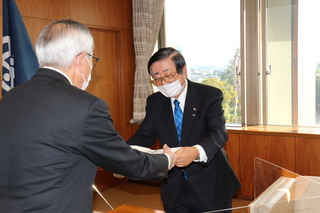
(203, 124)
(52, 138)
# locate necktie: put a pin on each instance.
(178, 115)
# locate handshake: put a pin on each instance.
(179, 156)
(172, 156)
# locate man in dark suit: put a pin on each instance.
(53, 135)
(203, 179)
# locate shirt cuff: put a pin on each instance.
(169, 161)
(202, 157)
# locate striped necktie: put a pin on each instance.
(178, 115)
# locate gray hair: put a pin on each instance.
(61, 41)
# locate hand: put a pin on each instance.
(172, 156)
(186, 155)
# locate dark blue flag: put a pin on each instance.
(19, 61)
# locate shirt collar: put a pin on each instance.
(182, 96)
(59, 71)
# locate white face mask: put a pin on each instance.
(171, 90)
(85, 83)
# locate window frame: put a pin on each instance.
(253, 61)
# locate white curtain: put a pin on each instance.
(147, 15)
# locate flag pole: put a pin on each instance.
(95, 188)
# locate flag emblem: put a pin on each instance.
(19, 61)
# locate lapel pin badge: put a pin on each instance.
(194, 109)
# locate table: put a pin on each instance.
(134, 209)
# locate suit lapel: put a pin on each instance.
(166, 117)
(190, 112)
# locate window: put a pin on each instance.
(261, 53)
(292, 45)
(207, 33)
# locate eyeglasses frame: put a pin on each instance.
(95, 58)
(163, 79)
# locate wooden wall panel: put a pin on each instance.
(34, 27)
(105, 75)
(233, 151)
(44, 9)
(248, 150)
(232, 148)
(275, 149)
(126, 80)
(110, 13)
(282, 152)
(308, 156)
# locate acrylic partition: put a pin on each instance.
(277, 189)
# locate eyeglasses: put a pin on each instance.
(167, 79)
(95, 59)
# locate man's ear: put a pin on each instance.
(78, 61)
(185, 71)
